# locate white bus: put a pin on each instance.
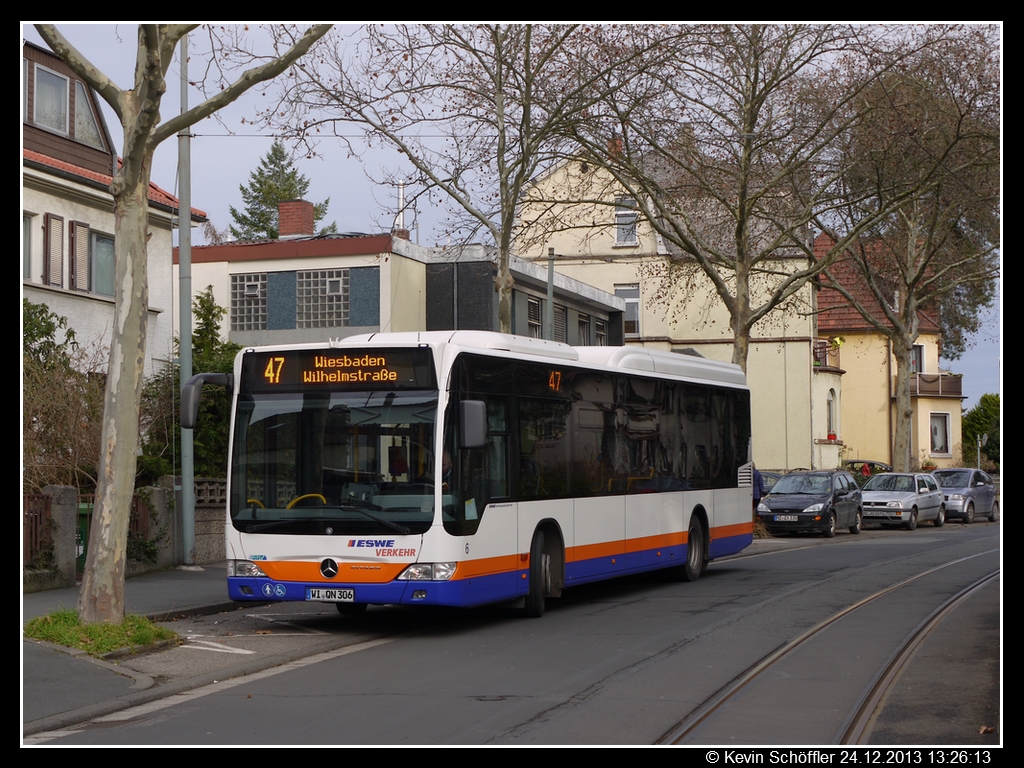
(464, 468)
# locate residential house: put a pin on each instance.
(796, 385)
(302, 287)
(67, 212)
(869, 387)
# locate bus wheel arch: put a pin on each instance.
(547, 567)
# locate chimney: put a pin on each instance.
(615, 145)
(295, 219)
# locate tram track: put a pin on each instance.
(869, 702)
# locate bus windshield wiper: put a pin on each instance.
(271, 524)
(360, 509)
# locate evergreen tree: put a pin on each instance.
(161, 403)
(275, 180)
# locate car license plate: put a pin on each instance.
(875, 513)
(786, 518)
(331, 595)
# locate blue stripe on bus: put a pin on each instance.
(481, 590)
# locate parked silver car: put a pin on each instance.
(969, 492)
(903, 499)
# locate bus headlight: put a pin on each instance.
(245, 568)
(427, 572)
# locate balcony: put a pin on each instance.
(935, 385)
(826, 353)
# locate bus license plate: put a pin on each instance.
(331, 595)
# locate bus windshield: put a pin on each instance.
(334, 463)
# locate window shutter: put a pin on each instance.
(78, 262)
(53, 250)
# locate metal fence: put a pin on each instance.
(138, 523)
(35, 526)
(38, 535)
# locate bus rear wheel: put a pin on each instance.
(696, 562)
(539, 571)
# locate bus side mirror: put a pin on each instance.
(193, 388)
(472, 424)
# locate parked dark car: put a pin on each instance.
(814, 501)
(893, 498)
(968, 492)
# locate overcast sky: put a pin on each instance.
(223, 156)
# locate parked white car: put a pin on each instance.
(903, 499)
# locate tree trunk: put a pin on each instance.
(739, 316)
(902, 458)
(503, 283)
(740, 345)
(101, 598)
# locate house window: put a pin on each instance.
(917, 359)
(51, 100)
(90, 260)
(560, 330)
(533, 321)
(101, 263)
(601, 333)
(321, 298)
(831, 408)
(249, 302)
(87, 129)
(940, 434)
(625, 221)
(26, 246)
(584, 330)
(631, 295)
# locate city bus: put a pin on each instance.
(466, 468)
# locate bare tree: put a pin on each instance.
(138, 109)
(729, 149)
(933, 128)
(476, 110)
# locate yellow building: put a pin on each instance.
(869, 385)
(671, 305)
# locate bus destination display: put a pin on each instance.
(333, 368)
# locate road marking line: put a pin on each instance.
(221, 685)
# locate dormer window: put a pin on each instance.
(87, 128)
(51, 101)
(61, 104)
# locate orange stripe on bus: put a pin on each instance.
(487, 566)
(645, 543)
(723, 531)
(292, 570)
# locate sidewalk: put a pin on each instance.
(61, 687)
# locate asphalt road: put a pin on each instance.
(614, 663)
